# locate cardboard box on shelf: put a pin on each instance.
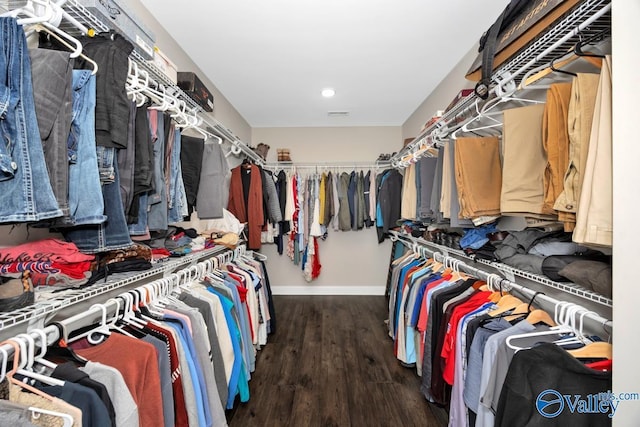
(164, 64)
(193, 86)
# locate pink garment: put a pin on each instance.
(52, 250)
(180, 316)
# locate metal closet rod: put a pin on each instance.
(412, 242)
(328, 165)
(80, 320)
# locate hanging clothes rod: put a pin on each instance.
(328, 165)
(164, 287)
(420, 249)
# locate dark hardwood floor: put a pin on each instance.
(331, 363)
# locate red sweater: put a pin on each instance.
(137, 362)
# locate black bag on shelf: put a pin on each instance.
(489, 41)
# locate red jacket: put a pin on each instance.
(254, 214)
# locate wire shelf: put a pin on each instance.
(587, 19)
(82, 15)
(71, 297)
(569, 288)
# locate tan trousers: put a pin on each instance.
(581, 106)
(524, 163)
(409, 207)
(594, 219)
(478, 176)
(555, 140)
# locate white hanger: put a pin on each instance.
(28, 356)
(45, 12)
(67, 419)
(102, 327)
(40, 358)
(113, 325)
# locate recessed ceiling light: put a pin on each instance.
(328, 92)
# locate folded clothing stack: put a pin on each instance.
(50, 262)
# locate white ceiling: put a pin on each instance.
(271, 59)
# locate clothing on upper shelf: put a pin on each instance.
(555, 140)
(580, 119)
(522, 191)
(594, 219)
(478, 176)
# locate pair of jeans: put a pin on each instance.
(25, 189)
(106, 158)
(52, 77)
(85, 194)
(113, 233)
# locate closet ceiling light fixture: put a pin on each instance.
(328, 92)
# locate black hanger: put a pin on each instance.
(553, 68)
(583, 42)
(532, 299)
(58, 351)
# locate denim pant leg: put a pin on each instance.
(52, 73)
(175, 181)
(106, 158)
(25, 189)
(111, 235)
(85, 192)
(140, 228)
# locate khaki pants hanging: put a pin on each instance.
(524, 162)
(594, 219)
(581, 106)
(478, 176)
(555, 139)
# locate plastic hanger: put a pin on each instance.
(26, 369)
(45, 12)
(101, 329)
(17, 347)
(40, 358)
(113, 325)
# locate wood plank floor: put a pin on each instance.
(331, 363)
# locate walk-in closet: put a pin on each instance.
(337, 213)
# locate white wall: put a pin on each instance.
(223, 110)
(626, 176)
(443, 94)
(352, 261)
(333, 144)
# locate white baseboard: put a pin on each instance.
(327, 290)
